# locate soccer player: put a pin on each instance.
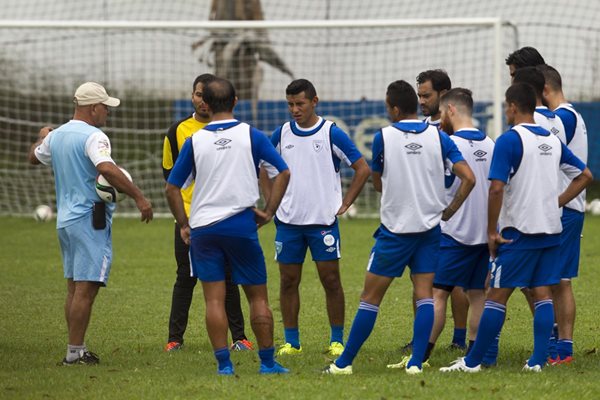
(572, 217)
(524, 224)
(78, 151)
(431, 85)
(222, 226)
(409, 162)
(524, 57)
(307, 218)
(464, 256)
(183, 289)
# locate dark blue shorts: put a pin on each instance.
(464, 266)
(210, 253)
(392, 252)
(292, 241)
(570, 243)
(525, 268)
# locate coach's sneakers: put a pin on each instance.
(275, 369)
(288, 349)
(535, 368)
(333, 369)
(173, 346)
(228, 370)
(241, 345)
(335, 349)
(85, 358)
(459, 365)
(404, 362)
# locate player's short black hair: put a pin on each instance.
(219, 95)
(525, 57)
(298, 86)
(460, 96)
(551, 76)
(402, 95)
(532, 76)
(523, 96)
(204, 79)
(438, 77)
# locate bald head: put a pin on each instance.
(219, 95)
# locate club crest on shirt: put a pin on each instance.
(278, 247)
(317, 145)
(329, 240)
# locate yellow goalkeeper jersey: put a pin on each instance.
(176, 136)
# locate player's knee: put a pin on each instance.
(289, 283)
(332, 283)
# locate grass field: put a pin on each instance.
(129, 329)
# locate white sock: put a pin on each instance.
(74, 352)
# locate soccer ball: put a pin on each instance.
(43, 213)
(595, 207)
(352, 211)
(107, 192)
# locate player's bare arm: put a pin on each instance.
(576, 186)
(496, 195)
(467, 182)
(361, 174)
(280, 184)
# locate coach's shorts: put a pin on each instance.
(210, 253)
(392, 252)
(464, 266)
(86, 252)
(570, 243)
(525, 268)
(291, 242)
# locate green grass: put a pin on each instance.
(129, 329)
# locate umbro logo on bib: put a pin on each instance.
(413, 147)
(545, 148)
(480, 154)
(222, 143)
(317, 145)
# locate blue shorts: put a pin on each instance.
(392, 253)
(209, 253)
(292, 241)
(86, 252)
(570, 243)
(525, 268)
(464, 266)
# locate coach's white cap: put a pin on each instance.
(94, 93)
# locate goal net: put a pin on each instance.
(151, 67)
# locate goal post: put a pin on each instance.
(151, 65)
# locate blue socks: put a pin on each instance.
(491, 355)
(490, 325)
(292, 336)
(543, 320)
(266, 357)
(460, 336)
(337, 334)
(363, 324)
(421, 331)
(565, 348)
(222, 356)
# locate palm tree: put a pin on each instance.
(237, 55)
